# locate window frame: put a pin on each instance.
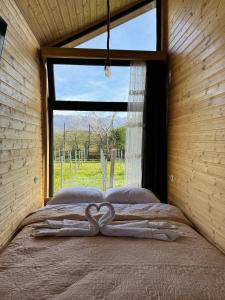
(54, 104)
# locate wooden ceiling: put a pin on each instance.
(53, 20)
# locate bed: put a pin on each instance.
(104, 267)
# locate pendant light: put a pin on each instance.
(107, 61)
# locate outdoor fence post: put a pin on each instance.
(112, 167)
(103, 167)
(61, 171)
(75, 160)
(84, 155)
(79, 157)
(70, 167)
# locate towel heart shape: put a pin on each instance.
(141, 229)
(105, 219)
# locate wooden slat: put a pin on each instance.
(20, 122)
(53, 20)
(94, 29)
(196, 134)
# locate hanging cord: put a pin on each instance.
(107, 62)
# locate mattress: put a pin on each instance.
(104, 267)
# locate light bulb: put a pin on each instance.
(107, 71)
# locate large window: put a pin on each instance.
(88, 116)
(96, 122)
(136, 34)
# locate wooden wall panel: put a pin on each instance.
(20, 123)
(196, 149)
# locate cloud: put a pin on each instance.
(88, 83)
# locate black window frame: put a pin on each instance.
(54, 104)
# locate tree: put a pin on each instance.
(58, 141)
(103, 127)
(119, 137)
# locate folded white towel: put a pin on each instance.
(55, 224)
(69, 227)
(147, 233)
(147, 224)
(63, 232)
(143, 229)
(139, 229)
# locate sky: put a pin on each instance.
(136, 34)
(88, 83)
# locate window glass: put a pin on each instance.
(136, 34)
(89, 149)
(89, 83)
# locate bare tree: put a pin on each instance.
(75, 126)
(103, 127)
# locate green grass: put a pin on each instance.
(87, 174)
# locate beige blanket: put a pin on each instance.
(110, 267)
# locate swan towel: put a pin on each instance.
(139, 229)
(69, 227)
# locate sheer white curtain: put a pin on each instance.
(133, 153)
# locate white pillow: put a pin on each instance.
(72, 195)
(127, 195)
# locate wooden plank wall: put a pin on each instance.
(196, 147)
(20, 123)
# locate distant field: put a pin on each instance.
(87, 174)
